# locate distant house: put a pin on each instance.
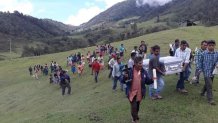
(188, 23)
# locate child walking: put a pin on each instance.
(80, 68)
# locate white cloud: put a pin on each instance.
(24, 6)
(152, 2)
(109, 3)
(83, 15)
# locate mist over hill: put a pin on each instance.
(181, 10)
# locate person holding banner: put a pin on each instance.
(157, 73)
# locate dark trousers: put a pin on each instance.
(180, 83)
(96, 76)
(135, 109)
(197, 74)
(208, 87)
(111, 69)
(31, 73)
(116, 78)
(64, 87)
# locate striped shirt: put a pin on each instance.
(208, 61)
(183, 54)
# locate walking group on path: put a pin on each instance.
(133, 78)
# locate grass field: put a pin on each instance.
(8, 55)
(26, 100)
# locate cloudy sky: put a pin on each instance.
(73, 12)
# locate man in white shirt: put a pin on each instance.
(131, 60)
(184, 54)
(135, 50)
(111, 64)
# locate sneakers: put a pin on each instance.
(136, 121)
(159, 97)
(211, 102)
(154, 97)
(183, 91)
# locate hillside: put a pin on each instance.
(180, 11)
(25, 100)
(117, 12)
(23, 29)
(31, 36)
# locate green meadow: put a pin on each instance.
(26, 100)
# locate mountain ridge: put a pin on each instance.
(195, 10)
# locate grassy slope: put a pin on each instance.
(25, 100)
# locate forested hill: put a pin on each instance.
(205, 11)
(23, 29)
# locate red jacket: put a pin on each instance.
(96, 67)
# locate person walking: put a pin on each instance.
(143, 49)
(31, 70)
(80, 68)
(111, 64)
(154, 63)
(136, 87)
(197, 58)
(65, 82)
(185, 56)
(207, 63)
(116, 74)
(96, 68)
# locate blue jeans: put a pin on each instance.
(180, 83)
(188, 72)
(115, 82)
(160, 86)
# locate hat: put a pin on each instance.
(113, 55)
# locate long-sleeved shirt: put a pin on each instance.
(207, 62)
(197, 57)
(116, 70)
(63, 79)
(112, 62)
(183, 54)
(130, 63)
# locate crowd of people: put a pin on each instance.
(38, 69)
(132, 76)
